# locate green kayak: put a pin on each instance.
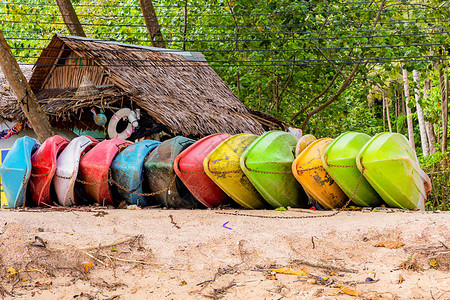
(339, 160)
(390, 165)
(267, 164)
(159, 173)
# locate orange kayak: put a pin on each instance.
(309, 171)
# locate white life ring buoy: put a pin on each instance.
(112, 126)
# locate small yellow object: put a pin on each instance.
(347, 290)
(289, 271)
(87, 266)
(433, 263)
(183, 283)
(11, 271)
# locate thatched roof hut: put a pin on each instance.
(6, 94)
(177, 89)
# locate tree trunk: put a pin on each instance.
(386, 102)
(408, 111)
(185, 24)
(444, 110)
(70, 17)
(384, 112)
(421, 119)
(151, 22)
(25, 96)
(428, 126)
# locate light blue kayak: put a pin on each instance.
(16, 169)
(127, 171)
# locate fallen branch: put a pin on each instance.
(118, 242)
(93, 257)
(129, 260)
(322, 266)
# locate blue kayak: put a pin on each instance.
(127, 171)
(16, 169)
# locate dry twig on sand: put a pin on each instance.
(323, 266)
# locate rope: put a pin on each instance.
(300, 217)
(263, 172)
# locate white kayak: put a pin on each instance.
(67, 168)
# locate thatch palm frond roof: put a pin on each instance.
(6, 94)
(177, 89)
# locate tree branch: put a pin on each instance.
(346, 82)
(343, 87)
(317, 97)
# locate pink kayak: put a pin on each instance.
(94, 170)
(43, 169)
(188, 166)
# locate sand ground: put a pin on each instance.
(92, 253)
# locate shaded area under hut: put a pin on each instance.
(176, 90)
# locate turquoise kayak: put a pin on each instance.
(127, 171)
(16, 170)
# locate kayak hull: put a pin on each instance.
(390, 165)
(43, 169)
(94, 170)
(16, 169)
(128, 171)
(188, 166)
(159, 173)
(309, 171)
(267, 164)
(67, 166)
(339, 160)
(304, 142)
(222, 165)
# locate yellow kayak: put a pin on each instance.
(222, 165)
(309, 171)
(304, 142)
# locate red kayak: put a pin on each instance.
(94, 170)
(188, 166)
(43, 169)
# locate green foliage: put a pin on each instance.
(436, 165)
(276, 55)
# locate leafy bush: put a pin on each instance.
(436, 165)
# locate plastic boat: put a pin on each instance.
(67, 166)
(222, 165)
(159, 174)
(267, 164)
(128, 171)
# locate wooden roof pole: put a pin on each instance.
(70, 18)
(151, 21)
(23, 92)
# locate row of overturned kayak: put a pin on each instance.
(276, 169)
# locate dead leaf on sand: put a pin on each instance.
(390, 244)
(346, 290)
(87, 266)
